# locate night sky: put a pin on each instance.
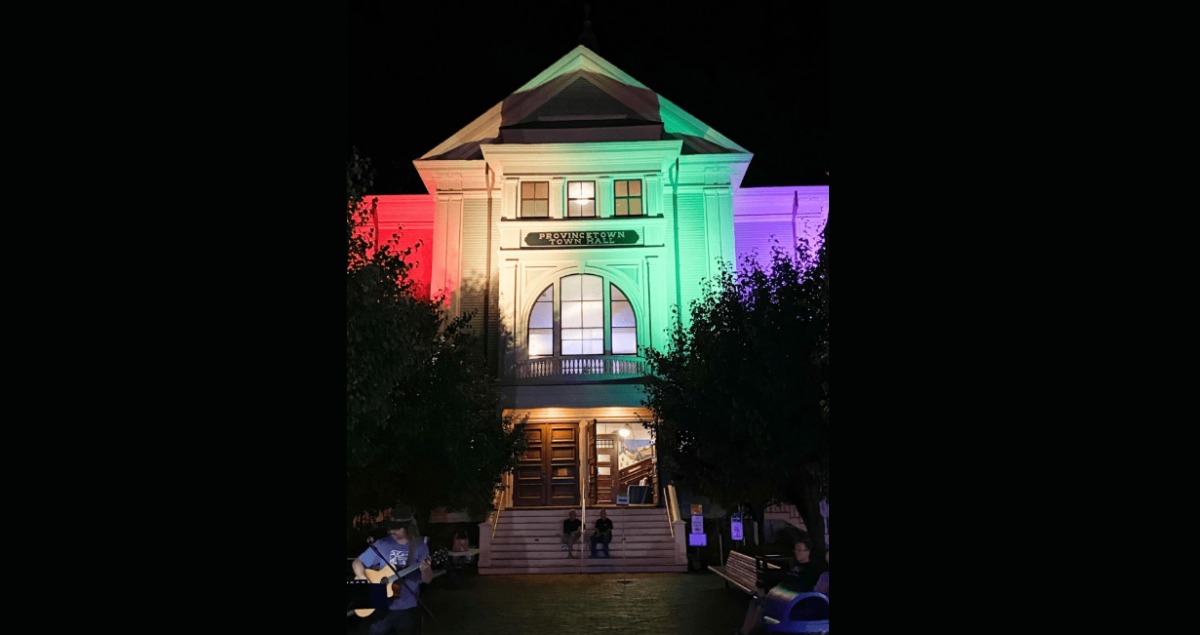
(758, 75)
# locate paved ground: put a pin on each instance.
(629, 604)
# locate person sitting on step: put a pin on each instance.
(603, 533)
(570, 534)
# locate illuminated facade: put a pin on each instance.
(571, 217)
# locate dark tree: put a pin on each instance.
(741, 396)
(423, 417)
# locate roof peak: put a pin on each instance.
(559, 82)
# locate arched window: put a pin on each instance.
(582, 315)
(624, 325)
(582, 326)
(541, 324)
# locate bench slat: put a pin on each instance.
(741, 571)
(735, 580)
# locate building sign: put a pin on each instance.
(697, 538)
(735, 529)
(583, 239)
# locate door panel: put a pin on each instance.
(591, 462)
(528, 489)
(606, 467)
(547, 473)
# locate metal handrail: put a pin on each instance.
(670, 520)
(674, 502)
(497, 507)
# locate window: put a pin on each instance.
(541, 324)
(581, 199)
(627, 198)
(624, 326)
(581, 319)
(535, 199)
(582, 315)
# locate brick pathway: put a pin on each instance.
(629, 604)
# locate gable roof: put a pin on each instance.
(583, 97)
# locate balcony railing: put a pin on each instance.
(580, 365)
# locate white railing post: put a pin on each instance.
(680, 542)
(485, 544)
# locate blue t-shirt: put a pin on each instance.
(400, 557)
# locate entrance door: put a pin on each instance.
(606, 467)
(591, 462)
(548, 472)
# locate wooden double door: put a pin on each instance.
(548, 472)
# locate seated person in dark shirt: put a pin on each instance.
(570, 534)
(802, 575)
(603, 534)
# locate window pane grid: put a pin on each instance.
(542, 316)
(622, 314)
(581, 322)
(623, 322)
(541, 324)
(624, 341)
(581, 209)
(593, 314)
(535, 199)
(593, 288)
(581, 199)
(627, 198)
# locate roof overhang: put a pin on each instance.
(581, 158)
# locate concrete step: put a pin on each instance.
(568, 568)
(622, 528)
(515, 559)
(557, 520)
(555, 543)
(530, 541)
(504, 535)
(641, 549)
(561, 514)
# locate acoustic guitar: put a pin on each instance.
(394, 580)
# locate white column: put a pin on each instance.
(510, 333)
(510, 198)
(652, 195)
(557, 194)
(604, 197)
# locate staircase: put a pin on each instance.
(530, 541)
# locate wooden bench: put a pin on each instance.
(741, 571)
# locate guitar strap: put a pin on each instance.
(411, 551)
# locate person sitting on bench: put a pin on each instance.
(801, 576)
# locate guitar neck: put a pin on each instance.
(402, 573)
(378, 576)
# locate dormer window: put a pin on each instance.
(535, 199)
(581, 199)
(627, 198)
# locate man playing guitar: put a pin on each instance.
(402, 548)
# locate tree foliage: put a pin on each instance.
(423, 422)
(741, 395)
